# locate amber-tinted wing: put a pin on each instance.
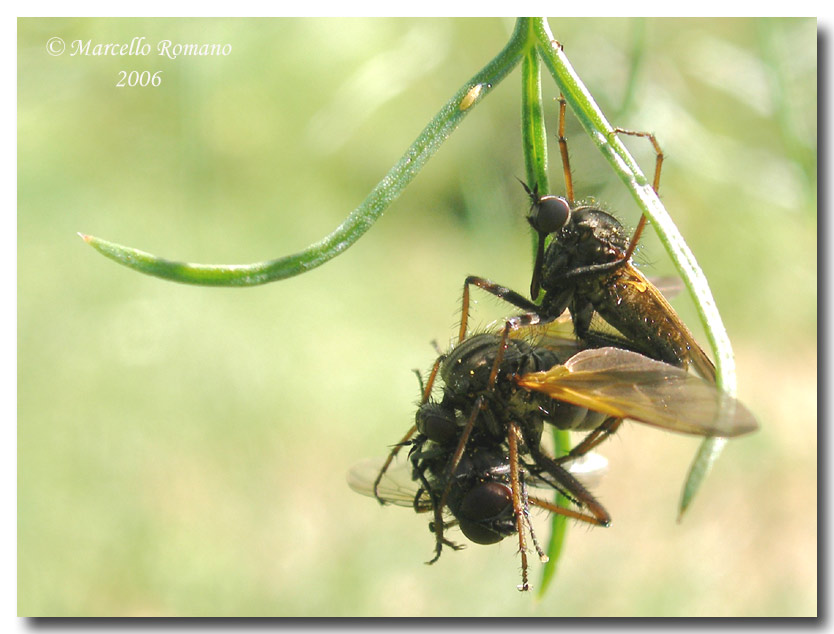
(558, 335)
(652, 295)
(628, 385)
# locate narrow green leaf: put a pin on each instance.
(558, 523)
(708, 453)
(360, 219)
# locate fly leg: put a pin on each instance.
(655, 183)
(426, 390)
(448, 477)
(532, 317)
(437, 525)
(525, 505)
(599, 435)
(563, 150)
(502, 292)
(560, 510)
(571, 488)
(518, 510)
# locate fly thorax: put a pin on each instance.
(467, 368)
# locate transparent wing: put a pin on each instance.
(556, 335)
(589, 469)
(668, 286)
(628, 385)
(396, 486)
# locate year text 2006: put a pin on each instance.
(130, 79)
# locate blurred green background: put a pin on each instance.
(183, 450)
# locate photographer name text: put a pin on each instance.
(138, 46)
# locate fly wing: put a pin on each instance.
(703, 364)
(589, 469)
(668, 286)
(396, 486)
(628, 385)
(557, 335)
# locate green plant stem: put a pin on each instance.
(558, 523)
(534, 142)
(533, 130)
(636, 54)
(602, 134)
(360, 219)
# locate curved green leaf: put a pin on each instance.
(360, 219)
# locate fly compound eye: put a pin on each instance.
(549, 214)
(481, 509)
(437, 423)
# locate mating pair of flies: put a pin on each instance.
(602, 345)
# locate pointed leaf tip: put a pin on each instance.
(85, 237)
